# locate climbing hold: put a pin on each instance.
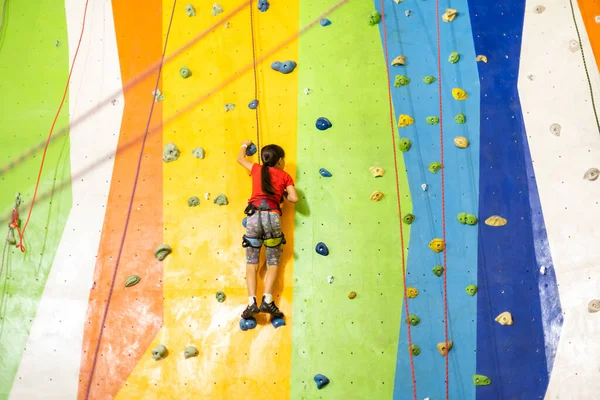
(462, 217)
(170, 153)
(226, 24)
(198, 152)
(459, 94)
(160, 352)
(460, 118)
(377, 171)
(193, 201)
(321, 381)
(253, 104)
(323, 124)
(424, 187)
(471, 290)
(277, 322)
(407, 13)
(190, 10)
(185, 72)
(504, 318)
(246, 324)
(401, 80)
(322, 249)
(428, 79)
(158, 96)
(449, 15)
(284, 67)
(376, 195)
(434, 167)
(408, 219)
(405, 120)
(221, 200)
(594, 306)
(454, 57)
(591, 174)
(307, 91)
(263, 5)
(438, 270)
(411, 292)
(432, 120)
(190, 352)
(398, 61)
(437, 245)
(324, 173)
(132, 281)
(481, 57)
(443, 348)
(352, 295)
(555, 129)
(220, 296)
(229, 107)
(251, 150)
(481, 380)
(413, 319)
(374, 18)
(325, 22)
(244, 221)
(162, 251)
(206, 196)
(574, 46)
(398, 1)
(414, 349)
(495, 220)
(471, 219)
(461, 142)
(330, 279)
(539, 9)
(216, 10)
(543, 270)
(404, 144)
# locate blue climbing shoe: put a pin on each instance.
(251, 310)
(270, 308)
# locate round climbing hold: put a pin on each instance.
(162, 251)
(376, 195)
(504, 318)
(190, 351)
(461, 142)
(244, 221)
(246, 324)
(438, 270)
(432, 120)
(591, 174)
(193, 201)
(459, 94)
(481, 57)
(398, 61)
(539, 9)
(462, 217)
(251, 150)
(413, 319)
(471, 219)
(198, 152)
(460, 118)
(377, 171)
(454, 57)
(253, 104)
(449, 15)
(408, 219)
(594, 306)
(321, 381)
(555, 129)
(216, 10)
(190, 10)
(322, 249)
(132, 281)
(434, 167)
(185, 72)
(405, 120)
(405, 145)
(160, 352)
(411, 292)
(325, 22)
(170, 153)
(437, 245)
(428, 79)
(471, 289)
(352, 295)
(408, 13)
(443, 348)
(414, 349)
(277, 322)
(324, 173)
(323, 124)
(220, 295)
(221, 200)
(263, 5)
(481, 380)
(284, 67)
(401, 80)
(374, 18)
(574, 46)
(495, 220)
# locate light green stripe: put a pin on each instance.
(33, 72)
(353, 342)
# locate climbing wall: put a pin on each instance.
(455, 190)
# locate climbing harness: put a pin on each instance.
(265, 234)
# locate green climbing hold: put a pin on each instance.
(408, 219)
(198, 152)
(220, 296)
(432, 120)
(401, 80)
(438, 270)
(471, 290)
(190, 10)
(460, 118)
(190, 351)
(374, 18)
(413, 319)
(221, 200)
(429, 79)
(434, 167)
(481, 380)
(462, 217)
(454, 57)
(405, 145)
(193, 201)
(471, 219)
(162, 251)
(185, 72)
(160, 352)
(132, 281)
(414, 349)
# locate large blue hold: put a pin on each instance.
(323, 124)
(321, 381)
(277, 322)
(251, 150)
(253, 104)
(325, 22)
(246, 324)
(263, 5)
(284, 67)
(322, 249)
(324, 173)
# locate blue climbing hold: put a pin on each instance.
(251, 150)
(253, 104)
(324, 173)
(284, 67)
(263, 5)
(277, 322)
(323, 124)
(321, 381)
(246, 324)
(322, 249)
(325, 22)
(244, 221)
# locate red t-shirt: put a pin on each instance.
(280, 180)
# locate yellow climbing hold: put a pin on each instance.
(459, 94)
(461, 142)
(437, 245)
(405, 120)
(504, 318)
(495, 220)
(449, 15)
(411, 292)
(377, 171)
(376, 196)
(443, 349)
(481, 57)
(398, 1)
(400, 60)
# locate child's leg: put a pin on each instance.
(273, 256)
(251, 271)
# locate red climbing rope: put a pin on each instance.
(62, 102)
(255, 79)
(398, 196)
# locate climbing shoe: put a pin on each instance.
(270, 308)
(250, 311)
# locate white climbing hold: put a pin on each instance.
(555, 129)
(229, 107)
(158, 96)
(424, 187)
(307, 91)
(226, 24)
(330, 279)
(597, 19)
(539, 9)
(398, 1)
(574, 46)
(206, 196)
(407, 13)
(543, 270)
(216, 10)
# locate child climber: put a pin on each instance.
(270, 184)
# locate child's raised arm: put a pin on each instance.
(241, 158)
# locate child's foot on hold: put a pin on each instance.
(270, 308)
(250, 311)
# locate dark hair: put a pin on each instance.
(270, 155)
